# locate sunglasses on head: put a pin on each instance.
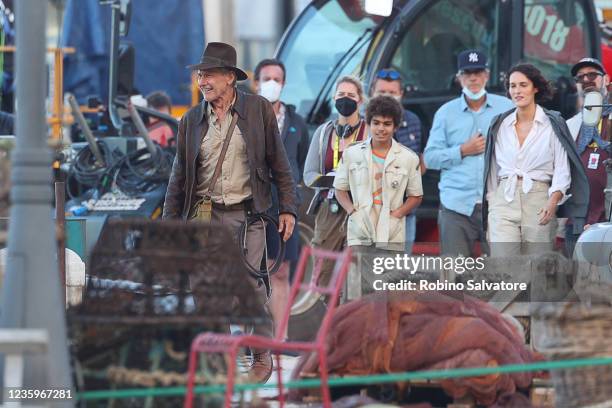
(388, 74)
(589, 76)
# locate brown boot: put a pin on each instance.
(261, 370)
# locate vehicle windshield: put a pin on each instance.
(314, 46)
(556, 35)
(427, 55)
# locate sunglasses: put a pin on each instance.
(388, 74)
(588, 77)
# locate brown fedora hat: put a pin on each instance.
(219, 55)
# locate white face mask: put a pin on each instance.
(601, 90)
(396, 97)
(270, 90)
(474, 96)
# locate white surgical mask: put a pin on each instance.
(270, 90)
(474, 96)
(601, 90)
(396, 97)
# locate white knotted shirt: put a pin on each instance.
(540, 158)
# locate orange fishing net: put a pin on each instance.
(412, 331)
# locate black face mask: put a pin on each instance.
(346, 106)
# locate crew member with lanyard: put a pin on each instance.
(324, 154)
(593, 145)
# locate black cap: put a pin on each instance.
(471, 59)
(588, 62)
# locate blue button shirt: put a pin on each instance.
(461, 179)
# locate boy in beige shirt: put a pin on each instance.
(378, 183)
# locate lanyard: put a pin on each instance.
(336, 149)
(336, 145)
(599, 125)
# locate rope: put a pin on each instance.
(87, 173)
(255, 270)
(148, 379)
(140, 172)
(352, 380)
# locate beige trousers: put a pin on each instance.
(514, 226)
(255, 238)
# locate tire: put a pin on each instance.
(308, 309)
(304, 326)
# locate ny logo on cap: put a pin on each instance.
(473, 57)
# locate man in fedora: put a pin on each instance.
(228, 153)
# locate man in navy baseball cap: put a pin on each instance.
(455, 146)
(471, 60)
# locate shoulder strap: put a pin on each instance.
(215, 176)
(604, 132)
(361, 130)
(325, 132)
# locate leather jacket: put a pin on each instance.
(265, 152)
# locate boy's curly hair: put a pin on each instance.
(384, 106)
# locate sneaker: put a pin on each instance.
(261, 370)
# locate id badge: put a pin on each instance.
(593, 161)
(330, 194)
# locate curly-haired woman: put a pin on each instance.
(531, 168)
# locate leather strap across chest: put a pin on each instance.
(224, 148)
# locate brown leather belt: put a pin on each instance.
(231, 207)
